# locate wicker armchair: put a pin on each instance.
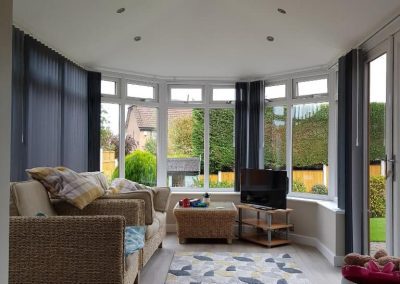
(70, 245)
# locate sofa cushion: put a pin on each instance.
(161, 198)
(31, 198)
(68, 185)
(160, 221)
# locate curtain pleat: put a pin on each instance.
(350, 148)
(94, 113)
(75, 118)
(248, 123)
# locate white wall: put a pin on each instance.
(5, 137)
(316, 223)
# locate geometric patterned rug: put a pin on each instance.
(234, 268)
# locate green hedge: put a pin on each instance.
(377, 196)
(298, 186)
(141, 167)
(319, 189)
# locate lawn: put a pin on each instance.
(377, 229)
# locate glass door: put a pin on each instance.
(380, 151)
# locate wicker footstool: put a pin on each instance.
(214, 222)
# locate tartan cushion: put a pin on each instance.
(68, 185)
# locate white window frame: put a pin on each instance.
(221, 102)
(186, 86)
(146, 84)
(277, 83)
(292, 99)
(117, 82)
(308, 79)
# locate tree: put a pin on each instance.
(151, 145)
(141, 167)
(180, 137)
(130, 144)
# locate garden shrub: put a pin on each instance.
(298, 186)
(319, 189)
(377, 196)
(140, 167)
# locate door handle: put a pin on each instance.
(392, 170)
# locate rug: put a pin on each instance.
(234, 268)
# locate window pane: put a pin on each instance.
(185, 163)
(108, 87)
(222, 152)
(140, 91)
(109, 140)
(310, 148)
(313, 87)
(275, 137)
(186, 94)
(224, 95)
(275, 92)
(141, 144)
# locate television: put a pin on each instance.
(265, 188)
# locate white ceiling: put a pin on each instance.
(203, 38)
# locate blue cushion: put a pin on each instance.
(134, 239)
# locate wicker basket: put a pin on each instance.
(207, 223)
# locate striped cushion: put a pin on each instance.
(68, 185)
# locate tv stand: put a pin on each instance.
(264, 231)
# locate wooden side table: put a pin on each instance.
(265, 227)
(213, 222)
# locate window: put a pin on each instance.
(108, 87)
(109, 140)
(223, 95)
(312, 87)
(275, 137)
(185, 161)
(141, 144)
(310, 148)
(275, 92)
(140, 91)
(186, 94)
(222, 151)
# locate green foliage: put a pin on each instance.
(377, 131)
(213, 184)
(319, 189)
(275, 137)
(222, 152)
(141, 167)
(377, 196)
(298, 186)
(197, 144)
(180, 136)
(151, 145)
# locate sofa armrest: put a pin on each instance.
(145, 195)
(67, 249)
(132, 210)
(161, 198)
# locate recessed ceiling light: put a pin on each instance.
(270, 38)
(282, 11)
(137, 38)
(120, 10)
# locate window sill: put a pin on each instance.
(328, 204)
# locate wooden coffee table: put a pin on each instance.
(213, 222)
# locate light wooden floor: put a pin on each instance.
(309, 259)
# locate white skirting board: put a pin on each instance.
(333, 259)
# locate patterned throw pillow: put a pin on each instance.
(121, 185)
(134, 239)
(97, 178)
(68, 185)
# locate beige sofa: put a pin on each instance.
(81, 246)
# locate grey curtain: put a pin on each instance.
(248, 123)
(350, 148)
(49, 109)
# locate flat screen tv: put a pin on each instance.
(266, 188)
